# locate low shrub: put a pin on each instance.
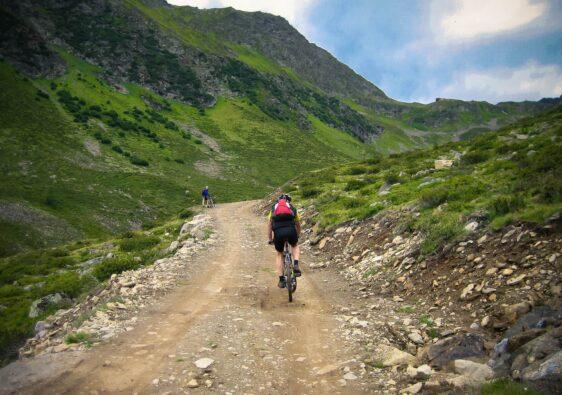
(356, 170)
(139, 242)
(186, 214)
(309, 192)
(506, 204)
(433, 197)
(115, 265)
(138, 161)
(355, 184)
(474, 157)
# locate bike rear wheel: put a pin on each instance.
(289, 275)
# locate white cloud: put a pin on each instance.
(474, 18)
(531, 81)
(295, 11)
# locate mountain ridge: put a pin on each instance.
(146, 92)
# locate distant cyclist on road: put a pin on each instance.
(284, 225)
(205, 194)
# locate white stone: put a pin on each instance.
(350, 376)
(204, 363)
(416, 337)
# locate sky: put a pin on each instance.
(417, 50)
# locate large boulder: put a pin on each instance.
(539, 317)
(40, 306)
(545, 375)
(461, 346)
(476, 372)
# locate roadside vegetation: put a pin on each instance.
(71, 271)
(495, 179)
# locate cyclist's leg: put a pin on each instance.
(279, 238)
(294, 241)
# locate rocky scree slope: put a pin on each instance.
(111, 308)
(78, 295)
(473, 274)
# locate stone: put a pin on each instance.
(39, 306)
(507, 272)
(391, 356)
(467, 290)
(471, 226)
(443, 163)
(460, 346)
(425, 371)
(204, 363)
(397, 298)
(491, 271)
(173, 246)
(485, 321)
(323, 242)
(192, 383)
(514, 311)
(516, 280)
(326, 369)
(412, 389)
(546, 375)
(476, 372)
(350, 376)
(411, 371)
(416, 338)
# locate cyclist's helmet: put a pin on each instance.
(285, 197)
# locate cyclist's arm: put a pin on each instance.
(298, 226)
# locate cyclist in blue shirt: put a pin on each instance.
(205, 194)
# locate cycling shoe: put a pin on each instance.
(297, 271)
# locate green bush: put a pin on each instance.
(117, 149)
(78, 337)
(506, 204)
(139, 242)
(69, 283)
(355, 184)
(115, 265)
(353, 202)
(186, 214)
(438, 230)
(309, 192)
(138, 161)
(434, 197)
(507, 387)
(474, 157)
(391, 177)
(356, 170)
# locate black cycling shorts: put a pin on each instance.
(286, 233)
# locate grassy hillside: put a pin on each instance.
(80, 159)
(497, 178)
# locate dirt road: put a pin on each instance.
(232, 312)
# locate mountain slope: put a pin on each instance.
(497, 178)
(115, 113)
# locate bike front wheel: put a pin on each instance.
(289, 282)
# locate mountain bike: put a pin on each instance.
(210, 202)
(288, 271)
